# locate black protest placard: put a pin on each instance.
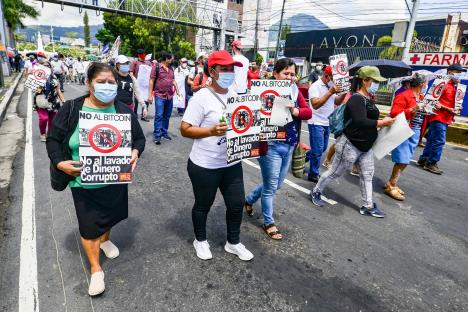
(105, 148)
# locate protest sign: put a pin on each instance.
(390, 137)
(244, 124)
(38, 77)
(144, 72)
(280, 113)
(460, 95)
(339, 65)
(105, 148)
(433, 95)
(268, 90)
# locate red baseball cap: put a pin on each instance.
(328, 70)
(236, 44)
(222, 57)
(41, 54)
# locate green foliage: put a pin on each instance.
(16, 10)
(391, 53)
(153, 36)
(86, 30)
(50, 47)
(19, 37)
(75, 52)
(259, 59)
(286, 29)
(71, 34)
(384, 41)
(22, 46)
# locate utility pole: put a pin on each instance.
(410, 30)
(52, 38)
(279, 31)
(256, 30)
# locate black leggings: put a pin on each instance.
(205, 183)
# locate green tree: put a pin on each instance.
(153, 36)
(50, 47)
(16, 10)
(71, 34)
(22, 46)
(286, 29)
(86, 30)
(19, 37)
(259, 59)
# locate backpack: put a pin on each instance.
(337, 120)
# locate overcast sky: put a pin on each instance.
(333, 13)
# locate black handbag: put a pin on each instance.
(58, 179)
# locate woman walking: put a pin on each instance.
(98, 207)
(406, 102)
(47, 102)
(275, 163)
(355, 145)
(204, 121)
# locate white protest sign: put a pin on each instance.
(460, 96)
(339, 65)
(144, 72)
(105, 148)
(433, 95)
(244, 124)
(38, 77)
(390, 137)
(280, 113)
(268, 91)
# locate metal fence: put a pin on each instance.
(369, 53)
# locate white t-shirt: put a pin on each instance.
(240, 85)
(57, 67)
(320, 116)
(204, 110)
(28, 65)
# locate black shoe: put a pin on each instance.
(313, 178)
(421, 163)
(433, 168)
(167, 137)
(145, 119)
(157, 141)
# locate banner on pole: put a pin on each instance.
(268, 90)
(105, 148)
(244, 125)
(339, 65)
(38, 77)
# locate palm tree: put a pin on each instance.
(16, 10)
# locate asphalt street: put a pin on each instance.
(332, 258)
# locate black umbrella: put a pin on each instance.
(31, 53)
(388, 68)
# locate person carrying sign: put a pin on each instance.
(361, 118)
(98, 207)
(143, 84)
(439, 122)
(275, 164)
(204, 121)
(406, 102)
(323, 98)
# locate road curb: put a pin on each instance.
(7, 98)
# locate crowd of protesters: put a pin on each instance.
(199, 90)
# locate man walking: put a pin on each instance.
(439, 122)
(58, 67)
(240, 84)
(323, 98)
(162, 83)
(141, 70)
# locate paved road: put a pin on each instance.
(332, 259)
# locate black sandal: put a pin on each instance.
(248, 209)
(272, 233)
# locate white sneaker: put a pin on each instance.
(96, 285)
(110, 250)
(43, 137)
(239, 250)
(202, 249)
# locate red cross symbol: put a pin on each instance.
(414, 59)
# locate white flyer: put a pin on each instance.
(390, 137)
(280, 113)
(144, 72)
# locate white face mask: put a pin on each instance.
(183, 65)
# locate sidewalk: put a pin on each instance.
(6, 93)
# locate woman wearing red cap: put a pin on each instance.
(207, 167)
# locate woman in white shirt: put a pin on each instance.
(207, 166)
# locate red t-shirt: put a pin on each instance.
(252, 75)
(447, 99)
(404, 102)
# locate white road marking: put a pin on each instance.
(28, 298)
(292, 184)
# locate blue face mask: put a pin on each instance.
(124, 68)
(105, 92)
(225, 80)
(373, 88)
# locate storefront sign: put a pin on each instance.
(438, 59)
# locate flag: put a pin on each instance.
(105, 49)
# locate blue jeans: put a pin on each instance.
(318, 138)
(274, 166)
(163, 112)
(435, 142)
